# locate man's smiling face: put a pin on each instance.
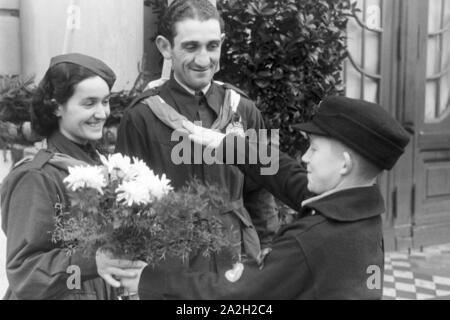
(196, 51)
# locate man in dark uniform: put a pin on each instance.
(192, 38)
(334, 249)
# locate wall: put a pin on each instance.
(109, 30)
(9, 37)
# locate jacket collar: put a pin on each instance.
(189, 90)
(348, 205)
(57, 142)
(212, 95)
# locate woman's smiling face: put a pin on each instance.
(82, 117)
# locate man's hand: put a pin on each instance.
(108, 267)
(200, 135)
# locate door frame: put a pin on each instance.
(432, 147)
(407, 226)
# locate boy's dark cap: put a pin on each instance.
(363, 126)
(95, 65)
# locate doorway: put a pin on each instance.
(399, 57)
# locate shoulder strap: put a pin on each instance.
(230, 86)
(37, 161)
(63, 161)
(169, 116)
(144, 95)
(45, 156)
(165, 112)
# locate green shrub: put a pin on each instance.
(287, 54)
(15, 97)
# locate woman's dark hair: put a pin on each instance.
(56, 88)
(180, 10)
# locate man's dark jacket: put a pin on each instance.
(143, 135)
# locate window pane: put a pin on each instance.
(438, 61)
(365, 47)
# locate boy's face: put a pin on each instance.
(324, 161)
(195, 52)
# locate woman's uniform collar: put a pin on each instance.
(59, 143)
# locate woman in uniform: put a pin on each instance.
(69, 109)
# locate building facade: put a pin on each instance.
(399, 56)
(32, 31)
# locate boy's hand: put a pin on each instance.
(156, 83)
(204, 136)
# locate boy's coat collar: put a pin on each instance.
(348, 205)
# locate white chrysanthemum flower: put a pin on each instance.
(133, 192)
(118, 165)
(140, 185)
(139, 170)
(158, 187)
(85, 177)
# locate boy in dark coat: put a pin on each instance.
(334, 249)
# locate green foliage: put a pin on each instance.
(15, 97)
(119, 101)
(287, 54)
(179, 225)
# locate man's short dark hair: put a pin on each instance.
(180, 10)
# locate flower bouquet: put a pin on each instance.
(124, 207)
